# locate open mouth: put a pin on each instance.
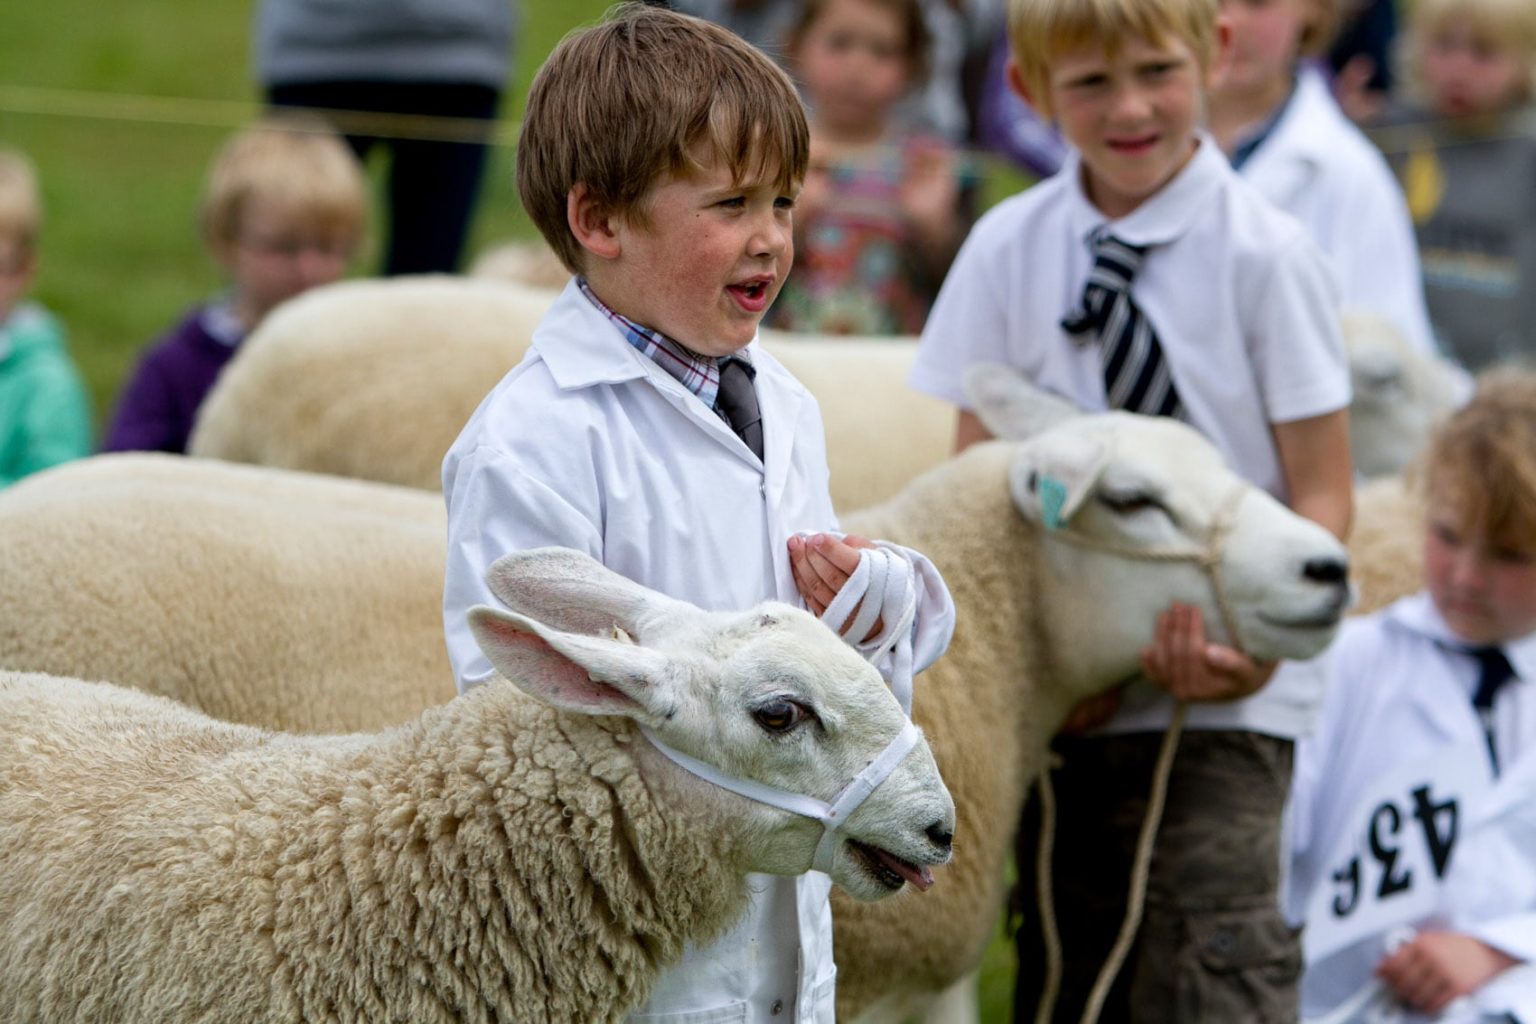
(751, 296)
(888, 869)
(1323, 620)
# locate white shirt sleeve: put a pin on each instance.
(1298, 346)
(968, 323)
(495, 509)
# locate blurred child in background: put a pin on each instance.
(1273, 114)
(1465, 156)
(879, 219)
(44, 416)
(283, 211)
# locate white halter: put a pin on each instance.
(887, 575)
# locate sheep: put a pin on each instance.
(1043, 621)
(1016, 665)
(292, 601)
(374, 379)
(1386, 546)
(1400, 392)
(500, 858)
(524, 262)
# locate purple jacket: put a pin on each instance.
(158, 408)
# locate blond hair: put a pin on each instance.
(290, 160)
(1507, 26)
(1321, 28)
(917, 40)
(1040, 31)
(21, 206)
(1480, 465)
(645, 93)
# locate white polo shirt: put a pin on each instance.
(1246, 310)
(1317, 166)
(1241, 299)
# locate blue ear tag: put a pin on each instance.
(1053, 498)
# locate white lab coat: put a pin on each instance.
(1318, 167)
(1396, 818)
(589, 444)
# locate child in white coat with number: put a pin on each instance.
(660, 158)
(1412, 870)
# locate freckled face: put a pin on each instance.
(706, 263)
(1132, 116)
(1485, 592)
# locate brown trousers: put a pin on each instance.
(1213, 946)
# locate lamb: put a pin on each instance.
(374, 379)
(292, 601)
(530, 262)
(1400, 393)
(500, 858)
(1043, 545)
(1038, 629)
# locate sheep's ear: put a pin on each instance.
(1051, 477)
(572, 591)
(1012, 406)
(591, 675)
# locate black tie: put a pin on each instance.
(1136, 374)
(1494, 670)
(736, 402)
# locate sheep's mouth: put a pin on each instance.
(1322, 620)
(888, 869)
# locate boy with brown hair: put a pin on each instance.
(1147, 276)
(282, 212)
(44, 416)
(1414, 801)
(660, 158)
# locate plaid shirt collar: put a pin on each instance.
(699, 374)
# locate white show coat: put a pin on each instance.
(1243, 305)
(1396, 818)
(1318, 167)
(589, 444)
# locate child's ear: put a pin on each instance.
(1020, 89)
(592, 224)
(1221, 59)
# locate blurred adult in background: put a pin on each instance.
(1463, 144)
(1361, 58)
(385, 71)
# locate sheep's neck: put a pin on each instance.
(515, 859)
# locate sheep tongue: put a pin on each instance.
(922, 878)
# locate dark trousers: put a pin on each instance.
(433, 183)
(1213, 946)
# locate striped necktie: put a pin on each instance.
(1136, 374)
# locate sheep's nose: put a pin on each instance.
(1326, 570)
(941, 835)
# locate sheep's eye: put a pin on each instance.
(1129, 503)
(780, 716)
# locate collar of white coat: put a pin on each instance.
(1163, 217)
(582, 347)
(1417, 614)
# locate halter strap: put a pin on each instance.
(881, 573)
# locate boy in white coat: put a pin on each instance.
(1412, 804)
(660, 157)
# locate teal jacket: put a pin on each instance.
(44, 416)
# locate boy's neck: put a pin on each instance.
(1233, 114)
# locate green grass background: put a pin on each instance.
(120, 175)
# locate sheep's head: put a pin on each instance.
(1399, 394)
(768, 695)
(1137, 512)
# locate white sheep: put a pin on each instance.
(288, 600)
(500, 858)
(529, 262)
(1041, 623)
(374, 379)
(1048, 614)
(1400, 393)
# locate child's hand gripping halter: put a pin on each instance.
(883, 582)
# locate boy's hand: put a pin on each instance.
(1434, 969)
(822, 564)
(1181, 661)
